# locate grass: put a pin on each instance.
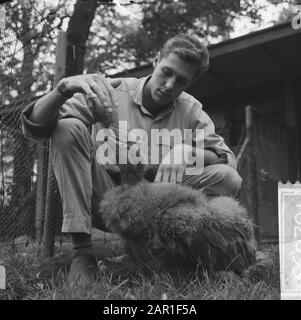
(31, 278)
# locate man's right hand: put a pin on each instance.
(98, 88)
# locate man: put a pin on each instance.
(154, 102)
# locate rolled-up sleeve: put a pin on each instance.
(213, 141)
(32, 130)
(77, 107)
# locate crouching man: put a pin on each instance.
(72, 114)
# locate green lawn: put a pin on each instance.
(30, 277)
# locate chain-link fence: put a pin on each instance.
(28, 213)
(274, 161)
(23, 77)
(23, 163)
(275, 158)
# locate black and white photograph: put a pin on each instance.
(150, 150)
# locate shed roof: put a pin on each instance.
(246, 60)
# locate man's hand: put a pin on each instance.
(173, 165)
(170, 173)
(97, 88)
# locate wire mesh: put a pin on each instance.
(22, 78)
(275, 162)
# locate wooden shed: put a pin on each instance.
(261, 69)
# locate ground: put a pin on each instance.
(30, 277)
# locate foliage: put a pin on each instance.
(29, 44)
(26, 70)
(120, 37)
(287, 13)
(117, 38)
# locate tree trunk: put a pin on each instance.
(77, 35)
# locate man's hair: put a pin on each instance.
(189, 49)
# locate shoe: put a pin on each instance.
(83, 268)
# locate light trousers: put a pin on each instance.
(82, 181)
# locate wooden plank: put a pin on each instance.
(252, 197)
(278, 64)
(60, 63)
(52, 196)
(242, 153)
(40, 191)
(290, 111)
(253, 39)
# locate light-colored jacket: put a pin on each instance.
(184, 113)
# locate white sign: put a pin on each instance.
(289, 209)
(2, 278)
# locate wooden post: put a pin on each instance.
(61, 49)
(252, 197)
(241, 154)
(291, 122)
(52, 209)
(40, 191)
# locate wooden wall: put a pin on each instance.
(227, 109)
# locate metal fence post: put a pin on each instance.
(252, 197)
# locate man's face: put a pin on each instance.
(170, 78)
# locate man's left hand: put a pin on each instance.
(170, 173)
(173, 165)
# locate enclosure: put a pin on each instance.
(251, 91)
(261, 70)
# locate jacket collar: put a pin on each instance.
(137, 98)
